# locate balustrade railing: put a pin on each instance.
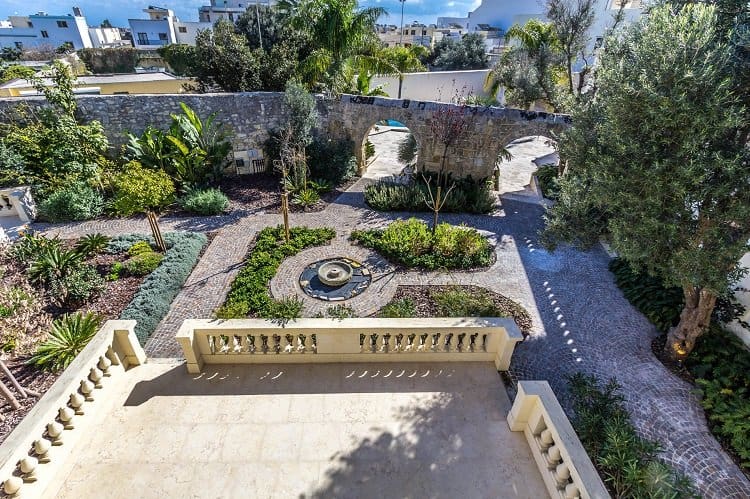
(565, 466)
(348, 340)
(32, 454)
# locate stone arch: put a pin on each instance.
(489, 129)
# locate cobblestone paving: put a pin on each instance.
(582, 322)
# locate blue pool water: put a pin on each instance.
(395, 123)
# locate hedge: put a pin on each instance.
(153, 299)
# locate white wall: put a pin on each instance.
(434, 86)
(191, 31)
(76, 32)
(744, 298)
(152, 29)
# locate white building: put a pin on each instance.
(42, 29)
(230, 10)
(106, 38)
(163, 28)
(503, 14)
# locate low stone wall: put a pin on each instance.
(33, 453)
(252, 116)
(565, 466)
(248, 341)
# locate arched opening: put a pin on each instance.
(389, 151)
(521, 160)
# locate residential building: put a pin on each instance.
(141, 83)
(502, 14)
(108, 38)
(416, 34)
(42, 29)
(163, 28)
(230, 10)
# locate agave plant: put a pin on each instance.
(54, 263)
(69, 335)
(92, 244)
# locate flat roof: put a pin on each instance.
(100, 79)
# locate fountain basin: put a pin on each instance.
(335, 273)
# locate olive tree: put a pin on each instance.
(658, 161)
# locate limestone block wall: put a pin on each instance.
(252, 116)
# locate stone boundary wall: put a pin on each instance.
(253, 115)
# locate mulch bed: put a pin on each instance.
(262, 191)
(425, 305)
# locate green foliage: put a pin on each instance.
(143, 264)
(110, 60)
(249, 291)
(140, 248)
(13, 72)
(77, 201)
(194, 152)
(180, 58)
(10, 54)
(69, 336)
(340, 312)
(661, 305)
(548, 181)
(285, 310)
(369, 149)
(52, 262)
(720, 364)
(468, 53)
(458, 302)
(401, 308)
(468, 196)
(332, 160)
(627, 463)
(411, 243)
(139, 190)
(306, 197)
(115, 271)
(122, 243)
(92, 244)
(30, 247)
(204, 202)
(224, 61)
(408, 150)
(642, 170)
(153, 299)
(76, 287)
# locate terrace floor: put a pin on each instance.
(330, 430)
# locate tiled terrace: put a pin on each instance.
(326, 430)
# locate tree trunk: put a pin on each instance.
(694, 321)
(400, 84)
(570, 74)
(436, 208)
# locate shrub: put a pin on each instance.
(53, 262)
(401, 308)
(341, 312)
(122, 243)
(548, 181)
(627, 463)
(720, 363)
(154, 297)
(249, 291)
(468, 195)
(306, 197)
(29, 247)
(77, 286)
(332, 160)
(79, 201)
(69, 336)
(143, 264)
(458, 302)
(138, 189)
(661, 305)
(139, 248)
(115, 271)
(204, 202)
(286, 309)
(412, 244)
(92, 244)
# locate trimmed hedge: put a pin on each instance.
(249, 291)
(153, 299)
(411, 243)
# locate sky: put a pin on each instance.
(119, 11)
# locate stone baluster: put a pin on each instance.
(12, 485)
(41, 449)
(277, 343)
(386, 346)
(95, 375)
(410, 340)
(66, 415)
(435, 342)
(55, 432)
(87, 390)
(112, 356)
(398, 342)
(27, 466)
(289, 347)
(301, 343)
(104, 364)
(562, 475)
(250, 343)
(76, 401)
(422, 342)
(572, 492)
(473, 342)
(450, 343)
(553, 456)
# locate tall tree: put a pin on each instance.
(468, 53)
(571, 20)
(657, 161)
(224, 60)
(404, 60)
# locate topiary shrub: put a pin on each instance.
(411, 243)
(153, 299)
(249, 291)
(79, 201)
(204, 202)
(143, 264)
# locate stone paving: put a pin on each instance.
(582, 322)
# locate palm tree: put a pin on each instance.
(404, 60)
(343, 35)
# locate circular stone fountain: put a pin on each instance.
(335, 279)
